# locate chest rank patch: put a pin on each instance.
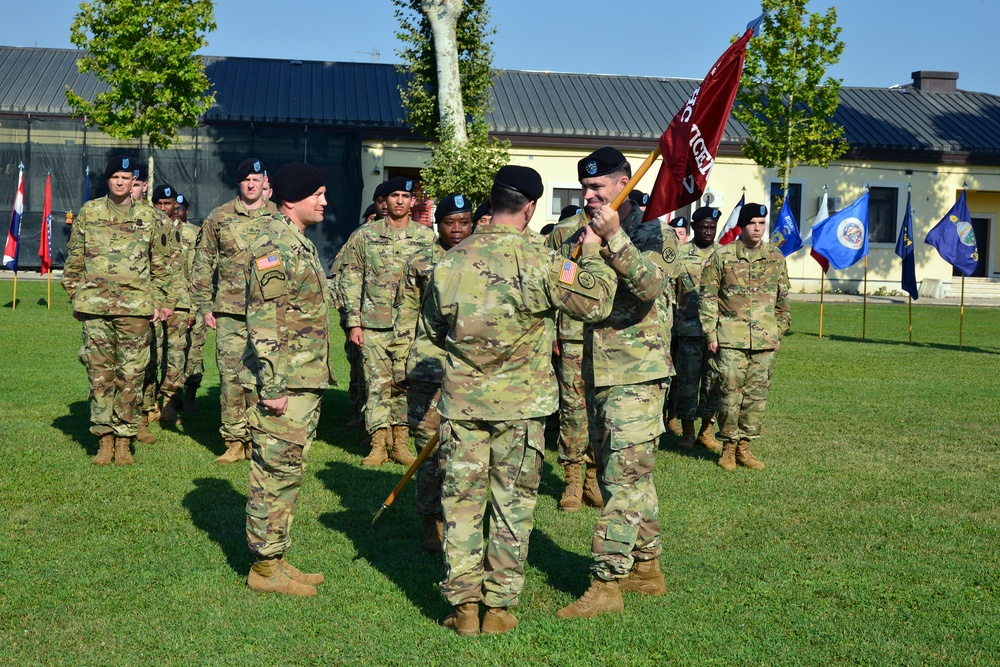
(268, 262)
(568, 273)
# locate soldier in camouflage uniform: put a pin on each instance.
(194, 364)
(117, 275)
(373, 266)
(696, 395)
(627, 369)
(744, 313)
(418, 364)
(491, 305)
(288, 319)
(221, 258)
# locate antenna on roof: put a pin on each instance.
(374, 53)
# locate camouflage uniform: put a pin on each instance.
(744, 308)
(419, 364)
(176, 326)
(491, 306)
(288, 320)
(696, 396)
(627, 369)
(116, 273)
(372, 269)
(356, 393)
(221, 256)
(164, 232)
(194, 365)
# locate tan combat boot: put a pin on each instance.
(105, 451)
(123, 456)
(674, 425)
(572, 497)
(687, 435)
(464, 620)
(728, 459)
(497, 621)
(267, 576)
(433, 534)
(297, 575)
(235, 451)
(706, 436)
(154, 414)
(645, 577)
(603, 597)
(248, 450)
(144, 436)
(378, 454)
(745, 458)
(169, 413)
(591, 489)
(401, 445)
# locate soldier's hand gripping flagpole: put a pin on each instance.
(427, 451)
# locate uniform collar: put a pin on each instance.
(495, 228)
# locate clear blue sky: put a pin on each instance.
(885, 40)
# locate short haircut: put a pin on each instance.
(505, 201)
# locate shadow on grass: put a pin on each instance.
(333, 428)
(220, 510)
(202, 425)
(564, 570)
(903, 343)
(77, 426)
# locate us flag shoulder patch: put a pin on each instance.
(268, 262)
(568, 274)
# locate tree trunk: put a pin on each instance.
(443, 17)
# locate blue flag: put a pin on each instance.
(904, 248)
(843, 237)
(786, 231)
(955, 239)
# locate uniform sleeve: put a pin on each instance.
(206, 258)
(782, 311)
(435, 321)
(708, 299)
(162, 265)
(583, 290)
(351, 280)
(267, 298)
(644, 272)
(73, 266)
(406, 307)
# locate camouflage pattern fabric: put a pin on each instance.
(176, 330)
(692, 261)
(424, 421)
(413, 355)
(115, 353)
(194, 352)
(150, 377)
(500, 462)
(626, 423)
(694, 385)
(574, 440)
(745, 378)
(385, 405)
(235, 379)
(569, 328)
(357, 395)
(280, 450)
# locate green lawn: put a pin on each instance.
(871, 538)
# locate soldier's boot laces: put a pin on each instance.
(189, 396)
(687, 435)
(123, 456)
(401, 445)
(572, 496)
(645, 577)
(267, 576)
(464, 620)
(603, 597)
(728, 459)
(674, 425)
(169, 414)
(105, 450)
(295, 574)
(591, 489)
(144, 436)
(497, 621)
(235, 451)
(378, 455)
(706, 436)
(433, 534)
(745, 458)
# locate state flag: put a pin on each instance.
(954, 238)
(842, 238)
(786, 231)
(904, 248)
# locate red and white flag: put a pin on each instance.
(731, 231)
(14, 231)
(45, 245)
(823, 214)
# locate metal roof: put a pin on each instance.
(539, 105)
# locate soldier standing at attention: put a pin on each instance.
(194, 365)
(627, 369)
(696, 395)
(418, 364)
(117, 275)
(744, 313)
(373, 267)
(491, 306)
(288, 319)
(221, 257)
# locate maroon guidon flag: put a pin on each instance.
(692, 139)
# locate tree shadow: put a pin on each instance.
(217, 508)
(76, 425)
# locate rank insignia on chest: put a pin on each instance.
(268, 262)
(568, 274)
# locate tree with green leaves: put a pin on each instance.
(784, 99)
(447, 52)
(144, 50)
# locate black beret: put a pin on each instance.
(398, 184)
(679, 222)
(568, 211)
(250, 166)
(140, 173)
(120, 163)
(481, 210)
(452, 204)
(297, 180)
(183, 201)
(639, 197)
(164, 191)
(371, 210)
(379, 191)
(705, 213)
(522, 179)
(749, 212)
(601, 162)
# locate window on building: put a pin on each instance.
(562, 197)
(794, 203)
(883, 206)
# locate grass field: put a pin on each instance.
(872, 538)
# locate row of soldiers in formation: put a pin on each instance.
(455, 335)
